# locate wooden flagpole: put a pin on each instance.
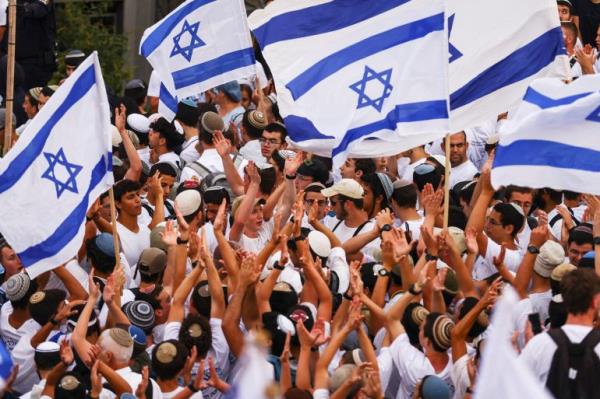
(113, 221)
(447, 181)
(10, 75)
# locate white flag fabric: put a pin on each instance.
(199, 45)
(254, 377)
(552, 140)
(59, 166)
(355, 77)
(496, 49)
(502, 375)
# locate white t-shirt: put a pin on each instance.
(413, 366)
(460, 377)
(540, 302)
(145, 218)
(251, 151)
(188, 150)
(413, 226)
(255, 245)
(133, 379)
(36, 390)
(484, 267)
(234, 116)
(344, 233)
(9, 334)
(168, 157)
(463, 172)
(538, 352)
(133, 243)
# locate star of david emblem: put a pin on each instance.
(594, 116)
(454, 53)
(64, 176)
(373, 88)
(191, 32)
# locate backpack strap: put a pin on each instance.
(558, 217)
(171, 210)
(336, 226)
(200, 169)
(359, 228)
(148, 208)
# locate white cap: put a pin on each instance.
(154, 117)
(188, 202)
(115, 136)
(139, 123)
(440, 158)
(319, 243)
(47, 347)
(346, 187)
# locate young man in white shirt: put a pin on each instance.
(163, 138)
(580, 291)
(462, 168)
(187, 116)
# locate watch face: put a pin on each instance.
(386, 227)
(383, 272)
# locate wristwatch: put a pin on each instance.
(597, 240)
(412, 290)
(277, 266)
(533, 250)
(383, 272)
(386, 227)
(429, 257)
(181, 242)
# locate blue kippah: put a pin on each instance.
(424, 169)
(138, 335)
(105, 243)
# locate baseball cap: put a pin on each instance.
(551, 255)
(74, 57)
(152, 261)
(346, 187)
(238, 201)
(559, 271)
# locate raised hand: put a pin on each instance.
(169, 235)
(539, 236)
(292, 164)
(252, 171)
(66, 353)
(120, 118)
(249, 271)
(471, 241)
(499, 260)
(140, 392)
(221, 144)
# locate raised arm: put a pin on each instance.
(537, 239)
(177, 311)
(78, 336)
(479, 212)
(245, 209)
(310, 271)
(450, 255)
(135, 163)
(155, 186)
(232, 175)
(76, 291)
(217, 304)
(227, 253)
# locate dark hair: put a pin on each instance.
(268, 179)
(456, 217)
(169, 371)
(45, 361)
(125, 186)
(43, 310)
(151, 299)
(357, 202)
(508, 192)
(32, 100)
(167, 131)
(578, 289)
(406, 197)
(365, 165)
(510, 217)
(468, 304)
(555, 196)
(367, 276)
(253, 132)
(464, 191)
(165, 168)
(24, 302)
(581, 234)
(279, 160)
(571, 195)
(204, 341)
(187, 115)
(316, 169)
(101, 261)
(372, 180)
(216, 196)
(434, 178)
(277, 128)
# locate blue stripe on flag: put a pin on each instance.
(535, 97)
(25, 158)
(156, 38)
(321, 18)
(70, 226)
(365, 48)
(547, 153)
(521, 64)
(167, 99)
(302, 129)
(209, 69)
(414, 112)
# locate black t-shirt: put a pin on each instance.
(589, 19)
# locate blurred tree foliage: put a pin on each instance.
(86, 27)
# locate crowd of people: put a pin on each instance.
(233, 245)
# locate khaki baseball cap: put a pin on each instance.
(346, 187)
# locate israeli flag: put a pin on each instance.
(198, 46)
(496, 48)
(59, 166)
(553, 141)
(355, 77)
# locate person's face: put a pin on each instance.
(42, 101)
(11, 262)
(564, 13)
(269, 142)
(255, 221)
(348, 169)
(130, 203)
(524, 200)
(312, 197)
(211, 212)
(30, 109)
(337, 206)
(165, 306)
(302, 181)
(153, 139)
(167, 185)
(368, 199)
(246, 98)
(567, 36)
(577, 251)
(105, 208)
(458, 149)
(69, 70)
(493, 227)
